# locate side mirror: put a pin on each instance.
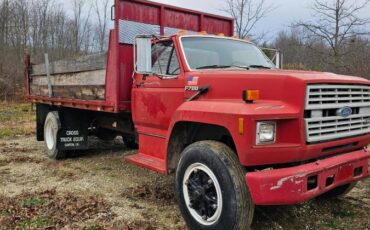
(143, 53)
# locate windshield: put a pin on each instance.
(211, 53)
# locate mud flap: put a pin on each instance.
(73, 133)
(72, 138)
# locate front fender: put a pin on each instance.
(226, 113)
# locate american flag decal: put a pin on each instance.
(193, 80)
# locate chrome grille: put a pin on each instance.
(323, 103)
(337, 96)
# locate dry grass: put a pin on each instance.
(16, 119)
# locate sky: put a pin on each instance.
(286, 12)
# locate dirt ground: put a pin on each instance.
(97, 189)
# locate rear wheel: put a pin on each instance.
(51, 128)
(338, 191)
(211, 189)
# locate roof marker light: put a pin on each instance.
(181, 32)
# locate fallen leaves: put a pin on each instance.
(158, 190)
(49, 209)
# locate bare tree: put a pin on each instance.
(101, 10)
(41, 26)
(247, 13)
(337, 23)
(80, 27)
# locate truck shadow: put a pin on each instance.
(99, 147)
(343, 213)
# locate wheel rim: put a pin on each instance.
(202, 194)
(50, 135)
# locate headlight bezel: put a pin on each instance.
(259, 131)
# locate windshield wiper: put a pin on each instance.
(214, 67)
(223, 67)
(259, 67)
(241, 67)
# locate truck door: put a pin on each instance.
(154, 99)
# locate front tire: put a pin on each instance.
(211, 189)
(52, 126)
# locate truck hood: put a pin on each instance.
(307, 76)
(274, 85)
(317, 77)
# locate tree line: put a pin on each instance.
(336, 39)
(44, 26)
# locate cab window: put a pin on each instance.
(164, 59)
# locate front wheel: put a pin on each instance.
(211, 189)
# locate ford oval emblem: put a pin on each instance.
(345, 112)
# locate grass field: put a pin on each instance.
(16, 119)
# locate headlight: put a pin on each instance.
(266, 132)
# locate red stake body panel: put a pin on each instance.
(165, 17)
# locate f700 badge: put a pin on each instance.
(191, 88)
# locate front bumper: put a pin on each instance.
(297, 184)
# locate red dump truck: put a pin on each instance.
(209, 107)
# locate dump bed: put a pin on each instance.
(103, 82)
(80, 78)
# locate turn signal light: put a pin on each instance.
(251, 95)
(241, 126)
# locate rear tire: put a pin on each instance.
(338, 191)
(52, 126)
(211, 190)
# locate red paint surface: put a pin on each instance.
(164, 16)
